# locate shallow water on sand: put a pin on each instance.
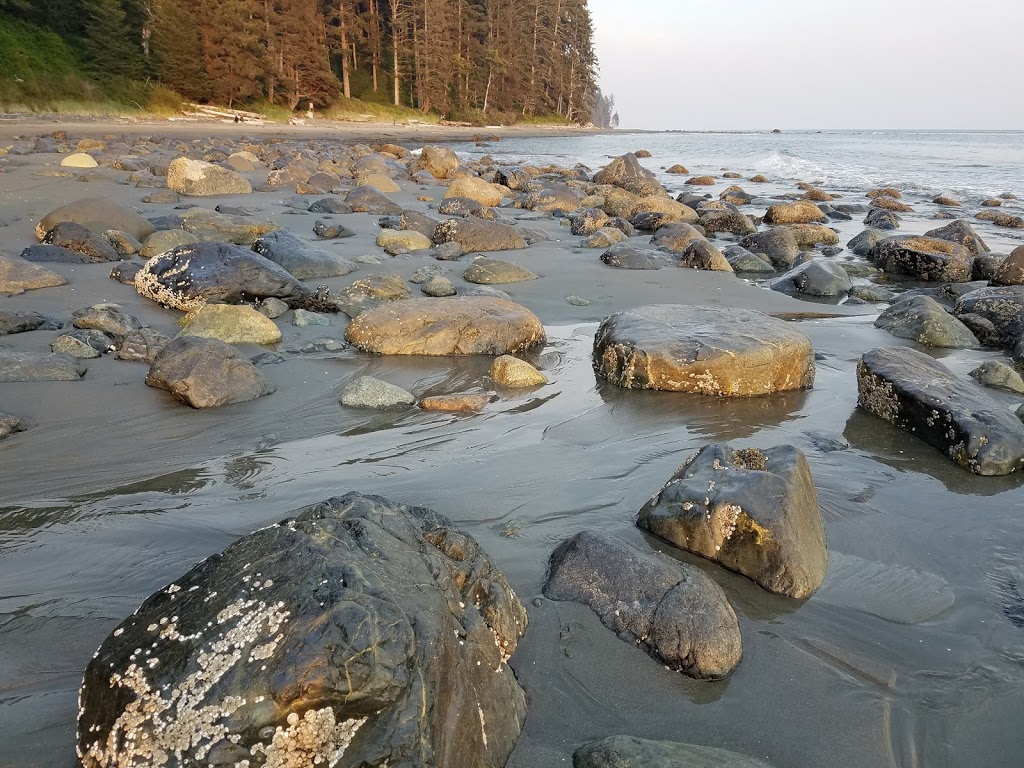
(911, 654)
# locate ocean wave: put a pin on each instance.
(787, 165)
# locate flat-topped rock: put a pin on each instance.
(704, 350)
(799, 212)
(209, 225)
(924, 320)
(822, 279)
(303, 260)
(672, 610)
(39, 366)
(190, 275)
(755, 512)
(18, 275)
(197, 178)
(623, 256)
(1002, 307)
(496, 272)
(475, 234)
(231, 324)
(918, 394)
(470, 325)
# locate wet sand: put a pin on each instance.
(905, 657)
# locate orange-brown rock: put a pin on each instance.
(810, 235)
(890, 204)
(455, 403)
(464, 325)
(799, 212)
(704, 350)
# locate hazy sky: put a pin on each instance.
(765, 64)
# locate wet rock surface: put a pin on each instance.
(706, 350)
(206, 373)
(472, 325)
(631, 752)
(39, 366)
(673, 611)
(753, 511)
(924, 320)
(303, 644)
(916, 393)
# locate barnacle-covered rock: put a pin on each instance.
(359, 633)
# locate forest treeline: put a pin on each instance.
(497, 60)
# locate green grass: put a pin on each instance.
(357, 109)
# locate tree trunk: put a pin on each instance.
(342, 23)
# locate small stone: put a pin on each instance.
(368, 392)
(79, 160)
(512, 372)
(304, 318)
(577, 301)
(69, 345)
(272, 307)
(424, 274)
(439, 287)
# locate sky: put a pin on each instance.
(812, 64)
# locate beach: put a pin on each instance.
(907, 655)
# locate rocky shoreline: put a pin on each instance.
(259, 281)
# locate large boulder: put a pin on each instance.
(471, 325)
(700, 254)
(631, 752)
(798, 212)
(206, 373)
(18, 275)
(190, 275)
(1002, 307)
(810, 235)
(863, 243)
(961, 232)
(474, 188)
(675, 237)
(777, 244)
(361, 632)
(439, 162)
(213, 226)
(927, 322)
(99, 215)
(706, 350)
(23, 322)
(369, 200)
(231, 324)
(732, 222)
(553, 196)
(752, 511)
(925, 258)
(303, 260)
(672, 610)
(163, 240)
(1009, 272)
(918, 394)
(821, 279)
(38, 366)
(197, 178)
(475, 234)
(627, 173)
(107, 318)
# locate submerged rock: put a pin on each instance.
(303, 643)
(918, 394)
(206, 373)
(752, 511)
(630, 752)
(673, 611)
(924, 320)
(461, 325)
(706, 350)
(190, 275)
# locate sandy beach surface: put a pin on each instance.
(904, 657)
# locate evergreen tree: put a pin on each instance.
(108, 47)
(231, 48)
(177, 49)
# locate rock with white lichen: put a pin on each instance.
(755, 512)
(190, 275)
(358, 633)
(672, 610)
(918, 394)
(706, 350)
(630, 752)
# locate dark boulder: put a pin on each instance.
(513, 178)
(624, 256)
(627, 173)
(706, 350)
(673, 611)
(743, 260)
(189, 275)
(206, 373)
(1002, 306)
(369, 200)
(325, 229)
(778, 244)
(925, 258)
(330, 205)
(755, 512)
(732, 222)
(630, 752)
(1010, 271)
(301, 259)
(924, 320)
(37, 366)
(700, 254)
(918, 394)
(823, 279)
(22, 322)
(587, 221)
(865, 242)
(80, 239)
(961, 232)
(880, 218)
(416, 221)
(359, 633)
